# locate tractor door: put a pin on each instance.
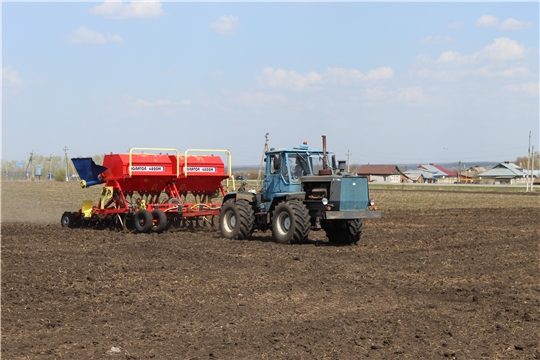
(280, 176)
(274, 180)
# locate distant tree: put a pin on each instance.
(60, 175)
(98, 159)
(522, 161)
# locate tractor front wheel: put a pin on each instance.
(236, 219)
(343, 232)
(290, 222)
(143, 220)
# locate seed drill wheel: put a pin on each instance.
(68, 219)
(236, 219)
(143, 220)
(290, 222)
(159, 220)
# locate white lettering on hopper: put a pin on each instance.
(147, 168)
(201, 169)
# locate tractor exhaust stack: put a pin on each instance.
(325, 170)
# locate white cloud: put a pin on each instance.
(437, 40)
(448, 56)
(508, 24)
(112, 9)
(530, 88)
(10, 77)
(508, 73)
(226, 25)
(288, 80)
(513, 24)
(456, 25)
(85, 36)
(487, 21)
(377, 93)
(294, 81)
(381, 73)
(412, 94)
(342, 76)
(502, 49)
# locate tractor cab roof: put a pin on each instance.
(300, 148)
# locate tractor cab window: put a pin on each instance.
(317, 162)
(275, 164)
(299, 165)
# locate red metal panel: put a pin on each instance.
(152, 172)
(204, 174)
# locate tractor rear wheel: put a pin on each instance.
(236, 219)
(343, 232)
(143, 220)
(290, 222)
(160, 220)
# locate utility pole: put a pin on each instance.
(50, 167)
(66, 160)
(532, 168)
(30, 165)
(528, 162)
(348, 158)
(263, 157)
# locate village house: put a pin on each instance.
(503, 173)
(471, 173)
(418, 176)
(388, 174)
(440, 174)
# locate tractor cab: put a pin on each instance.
(286, 167)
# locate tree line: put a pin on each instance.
(40, 167)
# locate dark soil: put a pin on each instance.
(434, 284)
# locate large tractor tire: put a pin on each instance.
(236, 219)
(160, 220)
(143, 220)
(343, 232)
(290, 222)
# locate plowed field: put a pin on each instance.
(443, 275)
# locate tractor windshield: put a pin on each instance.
(299, 165)
(317, 162)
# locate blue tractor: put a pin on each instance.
(303, 190)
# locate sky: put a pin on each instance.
(387, 83)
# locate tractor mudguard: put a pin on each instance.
(286, 196)
(242, 195)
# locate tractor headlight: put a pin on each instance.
(324, 201)
(371, 202)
